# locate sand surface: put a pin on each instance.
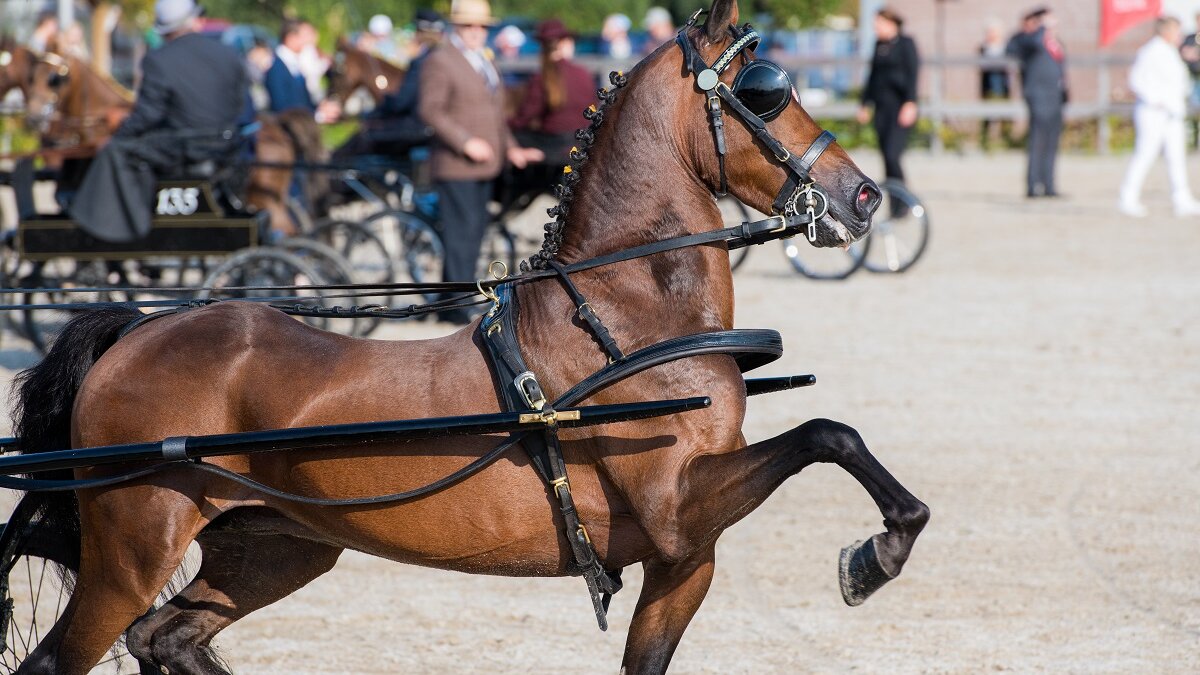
(1034, 380)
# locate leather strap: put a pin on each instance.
(584, 309)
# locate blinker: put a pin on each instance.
(764, 88)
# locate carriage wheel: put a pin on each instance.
(734, 212)
(498, 246)
(823, 263)
(32, 592)
(266, 267)
(899, 239)
(42, 326)
(419, 245)
(368, 255)
(336, 270)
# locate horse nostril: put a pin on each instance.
(869, 199)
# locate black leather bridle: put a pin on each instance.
(801, 202)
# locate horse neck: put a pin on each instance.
(94, 94)
(639, 187)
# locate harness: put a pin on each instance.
(800, 201)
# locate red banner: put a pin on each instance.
(1118, 16)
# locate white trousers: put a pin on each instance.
(1158, 133)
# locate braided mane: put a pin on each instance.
(565, 190)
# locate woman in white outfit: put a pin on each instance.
(1160, 80)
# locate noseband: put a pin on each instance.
(801, 202)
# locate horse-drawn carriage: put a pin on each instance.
(269, 450)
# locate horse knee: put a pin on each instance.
(139, 637)
(832, 442)
(179, 648)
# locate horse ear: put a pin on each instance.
(724, 13)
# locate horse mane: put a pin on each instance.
(565, 189)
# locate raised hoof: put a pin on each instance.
(860, 572)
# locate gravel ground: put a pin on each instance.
(1033, 380)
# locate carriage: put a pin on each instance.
(275, 445)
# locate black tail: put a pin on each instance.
(44, 396)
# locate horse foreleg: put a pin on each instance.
(671, 594)
(239, 574)
(720, 489)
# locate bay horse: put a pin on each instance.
(354, 69)
(657, 493)
(73, 104)
(16, 66)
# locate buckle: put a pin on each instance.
(550, 417)
(783, 225)
(525, 378)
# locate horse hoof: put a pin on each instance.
(860, 572)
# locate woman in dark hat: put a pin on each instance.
(555, 98)
(892, 89)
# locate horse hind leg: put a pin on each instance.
(240, 572)
(125, 562)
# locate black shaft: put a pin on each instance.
(770, 385)
(341, 435)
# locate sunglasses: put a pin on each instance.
(764, 88)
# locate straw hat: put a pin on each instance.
(472, 13)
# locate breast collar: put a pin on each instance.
(800, 201)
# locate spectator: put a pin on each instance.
(462, 98)
(259, 59)
(1044, 83)
(616, 36)
(994, 82)
(45, 33)
(509, 42)
(72, 42)
(314, 65)
(379, 38)
(892, 90)
(285, 81)
(556, 97)
(1159, 78)
(1191, 56)
(660, 28)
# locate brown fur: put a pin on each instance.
(657, 493)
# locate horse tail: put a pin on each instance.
(44, 396)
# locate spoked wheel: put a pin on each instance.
(734, 212)
(420, 248)
(266, 267)
(41, 324)
(898, 239)
(334, 269)
(32, 591)
(824, 263)
(367, 254)
(498, 246)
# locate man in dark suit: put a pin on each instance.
(194, 91)
(284, 80)
(462, 100)
(1044, 82)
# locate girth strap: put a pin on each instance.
(584, 309)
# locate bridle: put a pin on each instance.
(801, 202)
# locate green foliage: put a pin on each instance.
(337, 16)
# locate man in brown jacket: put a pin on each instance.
(462, 100)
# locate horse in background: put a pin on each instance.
(16, 66)
(355, 70)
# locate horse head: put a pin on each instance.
(16, 67)
(353, 69)
(773, 147)
(49, 77)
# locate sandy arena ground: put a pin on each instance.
(1034, 380)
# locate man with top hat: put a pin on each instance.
(462, 101)
(193, 91)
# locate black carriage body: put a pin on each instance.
(189, 221)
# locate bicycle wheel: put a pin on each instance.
(899, 239)
(824, 264)
(734, 212)
(32, 590)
